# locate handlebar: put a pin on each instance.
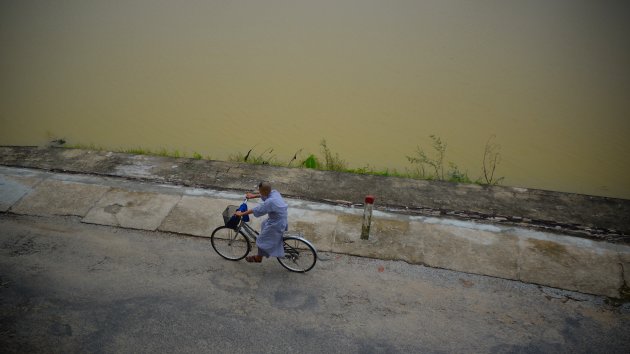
(246, 199)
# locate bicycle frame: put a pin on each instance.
(248, 231)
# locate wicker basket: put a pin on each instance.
(229, 218)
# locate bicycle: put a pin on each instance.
(233, 242)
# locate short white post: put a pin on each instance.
(367, 217)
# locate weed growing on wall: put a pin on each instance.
(425, 164)
(434, 162)
(332, 161)
(431, 165)
(491, 159)
(266, 157)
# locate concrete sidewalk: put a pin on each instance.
(507, 252)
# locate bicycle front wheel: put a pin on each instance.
(299, 256)
(229, 243)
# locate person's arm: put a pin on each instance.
(243, 213)
(248, 196)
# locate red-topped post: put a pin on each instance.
(367, 217)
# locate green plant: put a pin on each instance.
(261, 159)
(295, 157)
(265, 160)
(91, 146)
(166, 153)
(424, 165)
(332, 162)
(385, 173)
(142, 151)
(455, 175)
(368, 170)
(137, 151)
(436, 163)
(311, 162)
(238, 157)
(362, 170)
(491, 159)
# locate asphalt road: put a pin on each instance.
(72, 287)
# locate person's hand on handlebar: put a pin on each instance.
(252, 195)
(242, 213)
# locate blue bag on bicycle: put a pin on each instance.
(243, 208)
(232, 220)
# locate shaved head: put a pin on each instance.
(264, 188)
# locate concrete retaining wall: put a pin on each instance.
(580, 215)
(507, 252)
(503, 251)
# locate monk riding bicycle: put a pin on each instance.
(233, 240)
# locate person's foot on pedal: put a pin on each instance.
(254, 259)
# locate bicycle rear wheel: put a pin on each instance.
(230, 244)
(299, 255)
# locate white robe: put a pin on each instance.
(269, 241)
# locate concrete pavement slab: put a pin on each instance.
(136, 210)
(12, 188)
(471, 248)
(571, 263)
(56, 197)
(347, 238)
(197, 216)
(316, 226)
